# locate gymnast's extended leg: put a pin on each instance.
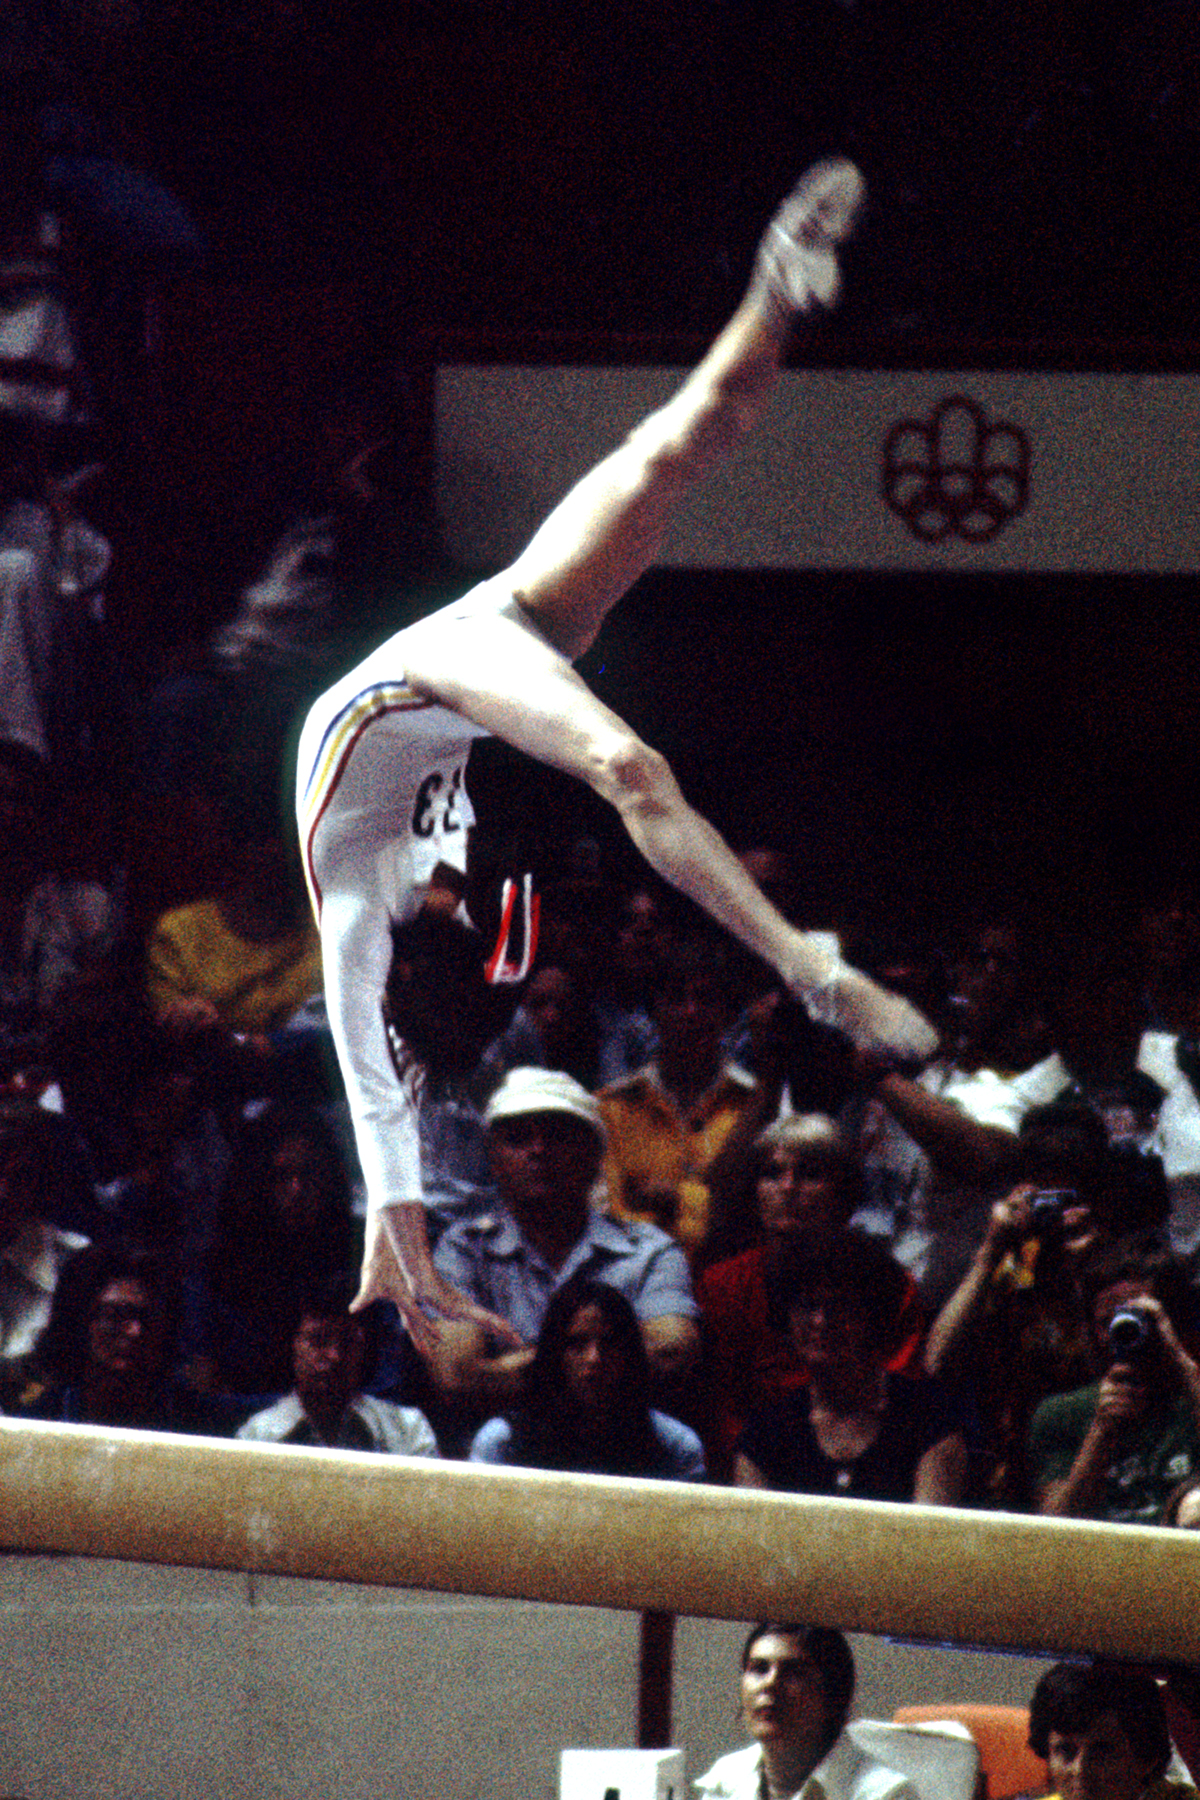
(489, 666)
(609, 528)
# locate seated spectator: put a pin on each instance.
(667, 1123)
(806, 1177)
(33, 1251)
(1102, 1729)
(993, 1018)
(106, 1355)
(796, 1690)
(51, 924)
(1094, 1010)
(284, 1222)
(243, 961)
(1172, 1061)
(553, 1028)
(142, 1110)
(455, 1177)
(936, 1141)
(1116, 1448)
(334, 1354)
(1015, 1329)
(799, 1066)
(53, 562)
(642, 937)
(53, 567)
(585, 1403)
(545, 1141)
(222, 723)
(857, 1429)
(220, 720)
(1168, 936)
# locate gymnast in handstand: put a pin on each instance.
(383, 810)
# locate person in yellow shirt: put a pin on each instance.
(668, 1123)
(244, 960)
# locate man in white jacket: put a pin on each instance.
(797, 1685)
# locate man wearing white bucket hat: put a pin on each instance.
(545, 1140)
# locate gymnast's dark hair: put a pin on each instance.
(439, 1008)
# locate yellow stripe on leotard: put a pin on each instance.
(344, 730)
(339, 741)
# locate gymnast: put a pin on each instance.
(382, 808)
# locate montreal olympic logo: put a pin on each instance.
(954, 474)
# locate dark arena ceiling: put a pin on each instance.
(524, 164)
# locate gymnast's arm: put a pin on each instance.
(397, 1266)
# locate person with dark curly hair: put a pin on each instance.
(858, 1429)
(1102, 1729)
(335, 1353)
(106, 1355)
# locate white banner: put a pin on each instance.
(992, 470)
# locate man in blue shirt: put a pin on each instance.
(545, 1142)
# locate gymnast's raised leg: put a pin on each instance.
(381, 802)
(594, 545)
(609, 528)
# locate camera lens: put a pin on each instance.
(1130, 1334)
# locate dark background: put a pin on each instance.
(371, 178)
(607, 166)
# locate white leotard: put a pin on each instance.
(381, 800)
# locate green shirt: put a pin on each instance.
(1150, 1458)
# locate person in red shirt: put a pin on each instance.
(806, 1176)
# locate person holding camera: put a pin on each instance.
(1116, 1449)
(1015, 1328)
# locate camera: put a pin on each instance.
(1132, 1336)
(1046, 1208)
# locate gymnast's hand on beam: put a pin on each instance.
(397, 1266)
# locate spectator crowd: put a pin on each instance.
(732, 1247)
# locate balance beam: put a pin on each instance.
(939, 1574)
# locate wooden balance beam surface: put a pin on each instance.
(940, 1574)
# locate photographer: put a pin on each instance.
(1116, 1449)
(1015, 1329)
